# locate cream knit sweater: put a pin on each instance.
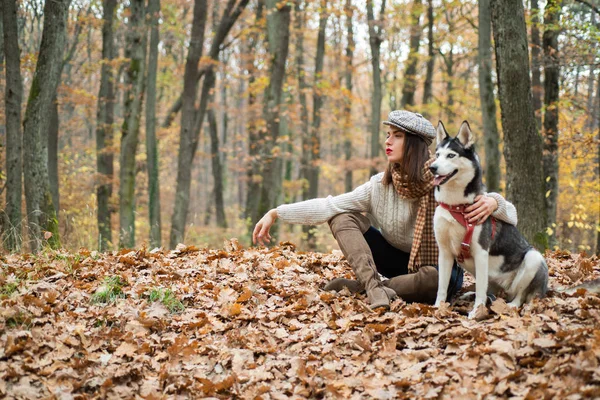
(393, 216)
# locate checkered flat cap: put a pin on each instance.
(412, 123)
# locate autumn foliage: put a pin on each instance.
(255, 323)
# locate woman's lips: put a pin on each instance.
(388, 151)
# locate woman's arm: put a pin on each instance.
(492, 204)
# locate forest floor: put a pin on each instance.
(255, 323)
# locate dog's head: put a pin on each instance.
(455, 156)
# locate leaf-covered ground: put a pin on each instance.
(256, 324)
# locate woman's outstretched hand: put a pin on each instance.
(261, 233)
(479, 211)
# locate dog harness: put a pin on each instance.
(459, 214)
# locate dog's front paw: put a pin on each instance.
(479, 312)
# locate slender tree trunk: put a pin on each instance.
(217, 169)
(40, 210)
(536, 62)
(410, 75)
(151, 142)
(278, 37)
(299, 24)
(104, 128)
(53, 153)
(187, 140)
(427, 87)
(551, 97)
(349, 10)
(254, 169)
(375, 40)
(13, 98)
(135, 52)
(523, 143)
(486, 95)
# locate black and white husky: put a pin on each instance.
(497, 254)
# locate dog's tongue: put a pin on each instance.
(438, 179)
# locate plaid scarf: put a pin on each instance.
(424, 249)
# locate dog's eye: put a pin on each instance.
(451, 155)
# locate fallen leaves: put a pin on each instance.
(256, 324)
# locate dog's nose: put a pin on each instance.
(433, 168)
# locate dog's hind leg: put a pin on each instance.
(445, 263)
(481, 259)
(519, 290)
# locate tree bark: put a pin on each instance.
(551, 94)
(151, 142)
(189, 139)
(278, 37)
(375, 40)
(253, 174)
(104, 128)
(40, 210)
(53, 154)
(190, 88)
(135, 52)
(410, 74)
(486, 95)
(427, 87)
(217, 169)
(523, 144)
(536, 62)
(13, 98)
(349, 10)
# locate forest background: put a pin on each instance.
(184, 121)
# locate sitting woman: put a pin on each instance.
(395, 238)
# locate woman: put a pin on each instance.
(395, 238)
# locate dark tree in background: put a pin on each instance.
(13, 98)
(41, 214)
(522, 141)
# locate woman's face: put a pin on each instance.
(394, 144)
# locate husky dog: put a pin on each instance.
(495, 253)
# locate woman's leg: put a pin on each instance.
(348, 229)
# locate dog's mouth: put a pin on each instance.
(439, 180)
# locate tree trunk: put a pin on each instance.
(536, 63)
(488, 104)
(13, 98)
(375, 40)
(313, 149)
(190, 88)
(217, 169)
(299, 24)
(349, 10)
(151, 142)
(40, 210)
(551, 93)
(254, 170)
(523, 144)
(189, 141)
(135, 52)
(427, 87)
(278, 38)
(53, 153)
(410, 75)
(104, 128)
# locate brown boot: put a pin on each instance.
(348, 229)
(420, 287)
(338, 284)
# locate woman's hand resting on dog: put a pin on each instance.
(261, 233)
(479, 211)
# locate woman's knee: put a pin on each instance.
(349, 221)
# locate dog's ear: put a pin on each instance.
(465, 136)
(441, 133)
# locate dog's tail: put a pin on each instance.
(592, 286)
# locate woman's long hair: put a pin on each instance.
(415, 155)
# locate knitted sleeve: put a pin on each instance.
(317, 211)
(506, 211)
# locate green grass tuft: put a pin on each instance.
(110, 291)
(8, 289)
(167, 298)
